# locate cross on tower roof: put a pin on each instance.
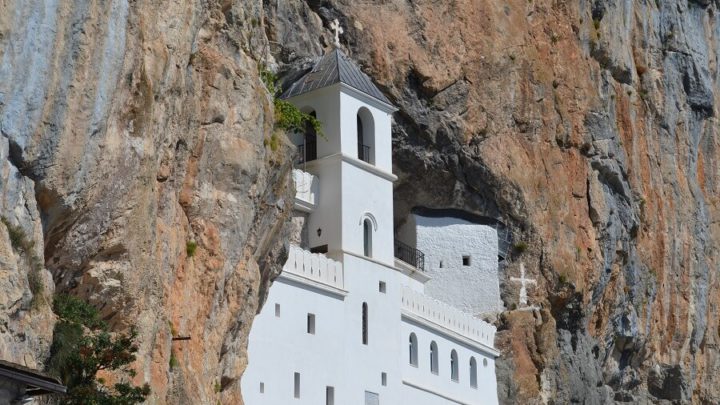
(335, 26)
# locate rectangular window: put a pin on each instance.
(311, 324)
(466, 260)
(383, 379)
(382, 287)
(297, 385)
(277, 310)
(262, 388)
(329, 395)
(364, 323)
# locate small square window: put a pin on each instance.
(277, 310)
(382, 287)
(311, 324)
(466, 260)
(383, 379)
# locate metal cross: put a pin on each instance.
(523, 284)
(335, 26)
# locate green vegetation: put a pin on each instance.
(217, 387)
(520, 247)
(190, 248)
(173, 363)
(287, 116)
(563, 279)
(24, 246)
(82, 346)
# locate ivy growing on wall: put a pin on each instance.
(287, 116)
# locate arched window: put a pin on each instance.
(365, 135)
(413, 350)
(364, 323)
(473, 372)
(433, 357)
(308, 149)
(367, 237)
(454, 366)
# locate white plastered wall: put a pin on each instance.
(473, 289)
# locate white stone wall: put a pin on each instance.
(475, 288)
(334, 356)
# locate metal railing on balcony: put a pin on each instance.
(364, 153)
(410, 255)
(307, 152)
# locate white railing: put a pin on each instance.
(448, 317)
(315, 266)
(306, 187)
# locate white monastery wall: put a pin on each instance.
(473, 288)
(280, 346)
(335, 356)
(372, 195)
(421, 386)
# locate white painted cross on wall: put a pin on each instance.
(335, 26)
(523, 299)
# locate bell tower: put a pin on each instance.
(352, 159)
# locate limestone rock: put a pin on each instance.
(129, 130)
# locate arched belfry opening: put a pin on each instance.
(307, 150)
(365, 135)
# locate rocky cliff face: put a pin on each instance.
(130, 129)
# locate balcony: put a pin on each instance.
(315, 267)
(410, 255)
(306, 190)
(420, 307)
(364, 153)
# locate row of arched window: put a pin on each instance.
(435, 363)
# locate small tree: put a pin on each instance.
(82, 346)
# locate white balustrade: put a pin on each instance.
(314, 266)
(448, 317)
(306, 187)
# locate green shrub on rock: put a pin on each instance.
(82, 346)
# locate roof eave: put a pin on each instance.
(383, 105)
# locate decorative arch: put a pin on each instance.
(367, 215)
(366, 135)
